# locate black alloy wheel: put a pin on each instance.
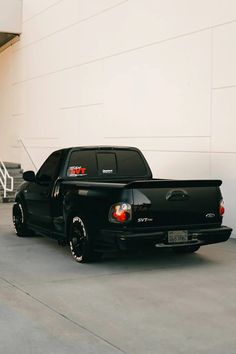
(80, 243)
(19, 220)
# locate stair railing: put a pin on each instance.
(4, 177)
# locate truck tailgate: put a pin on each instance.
(170, 203)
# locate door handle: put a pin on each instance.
(177, 195)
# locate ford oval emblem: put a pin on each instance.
(210, 215)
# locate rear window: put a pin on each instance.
(130, 163)
(107, 163)
(82, 163)
(115, 163)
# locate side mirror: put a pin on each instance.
(29, 176)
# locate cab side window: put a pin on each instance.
(50, 169)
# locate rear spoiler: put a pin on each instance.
(167, 183)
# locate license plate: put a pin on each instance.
(177, 236)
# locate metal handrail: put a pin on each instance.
(4, 176)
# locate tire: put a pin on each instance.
(19, 221)
(186, 249)
(80, 242)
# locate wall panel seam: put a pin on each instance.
(82, 106)
(65, 28)
(127, 51)
(224, 87)
(42, 11)
(114, 6)
(158, 137)
(211, 103)
(190, 151)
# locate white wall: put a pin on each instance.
(11, 16)
(159, 75)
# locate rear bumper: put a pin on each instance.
(124, 240)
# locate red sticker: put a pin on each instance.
(77, 171)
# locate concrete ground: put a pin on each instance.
(137, 304)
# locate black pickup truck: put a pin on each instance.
(101, 199)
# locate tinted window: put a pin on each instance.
(116, 163)
(50, 168)
(82, 163)
(106, 164)
(130, 163)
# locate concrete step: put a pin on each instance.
(15, 171)
(17, 177)
(7, 200)
(10, 194)
(16, 182)
(15, 185)
(13, 168)
(12, 165)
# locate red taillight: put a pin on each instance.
(120, 212)
(222, 208)
(121, 216)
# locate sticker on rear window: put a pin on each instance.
(77, 171)
(107, 171)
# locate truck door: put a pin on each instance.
(38, 196)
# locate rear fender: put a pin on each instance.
(93, 205)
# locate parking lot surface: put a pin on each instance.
(156, 302)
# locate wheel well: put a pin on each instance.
(90, 227)
(92, 231)
(69, 220)
(21, 201)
